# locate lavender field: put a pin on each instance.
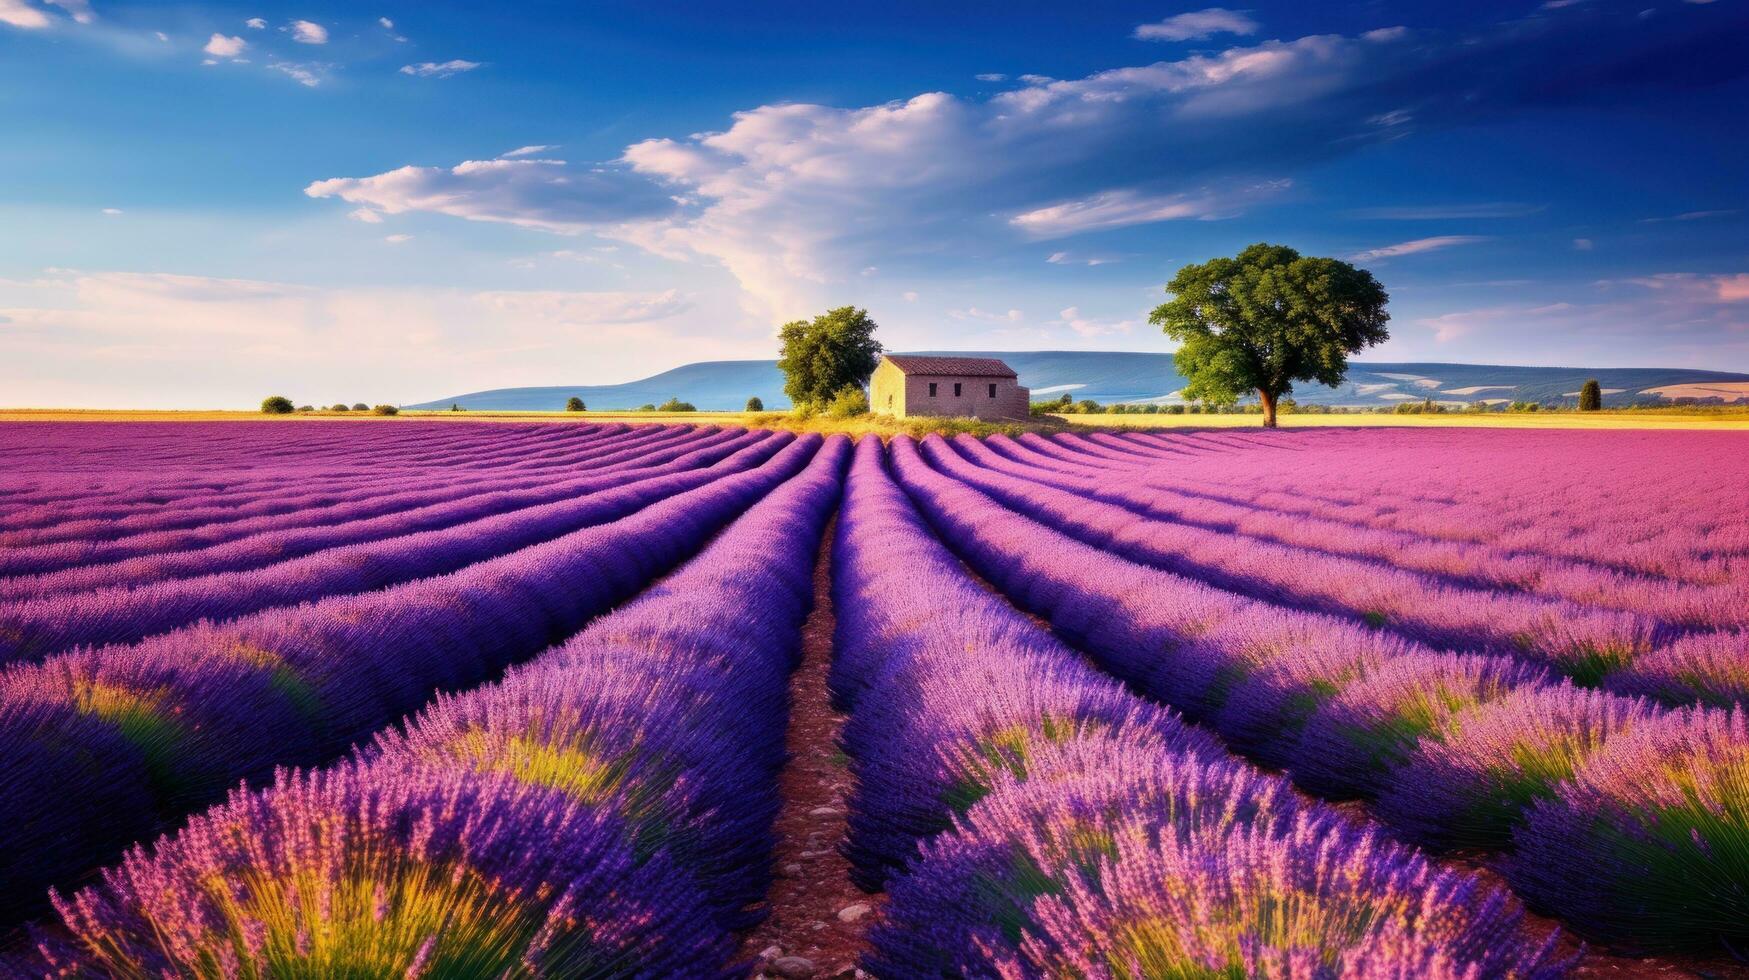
(431, 699)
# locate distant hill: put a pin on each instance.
(1129, 376)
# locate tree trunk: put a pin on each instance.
(1268, 401)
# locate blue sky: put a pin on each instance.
(202, 203)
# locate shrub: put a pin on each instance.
(454, 407)
(360, 407)
(575, 404)
(385, 410)
(1590, 396)
(676, 405)
(1088, 406)
(306, 408)
(848, 403)
(338, 407)
(1175, 409)
(276, 405)
(754, 404)
(647, 407)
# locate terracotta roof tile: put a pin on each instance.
(965, 367)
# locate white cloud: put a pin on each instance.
(526, 151)
(1074, 258)
(1116, 209)
(792, 198)
(307, 74)
(160, 35)
(112, 211)
(1583, 244)
(1197, 25)
(1087, 326)
(256, 24)
(18, 13)
(439, 69)
(308, 32)
(1416, 246)
(397, 239)
(991, 76)
(544, 194)
(366, 215)
(908, 296)
(79, 10)
(220, 46)
(985, 316)
(388, 25)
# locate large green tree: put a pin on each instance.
(821, 357)
(1267, 318)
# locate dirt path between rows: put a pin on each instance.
(818, 918)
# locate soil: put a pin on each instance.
(813, 879)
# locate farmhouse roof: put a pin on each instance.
(968, 367)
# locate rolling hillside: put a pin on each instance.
(1139, 377)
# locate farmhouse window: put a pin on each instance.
(992, 391)
(932, 389)
(956, 389)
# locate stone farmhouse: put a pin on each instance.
(904, 385)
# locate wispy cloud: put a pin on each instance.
(307, 74)
(1416, 247)
(544, 194)
(1198, 25)
(1692, 216)
(1437, 212)
(991, 76)
(79, 10)
(527, 151)
(1117, 209)
(440, 69)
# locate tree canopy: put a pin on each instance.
(1267, 318)
(1590, 396)
(276, 405)
(822, 357)
(575, 404)
(755, 404)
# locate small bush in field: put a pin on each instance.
(385, 410)
(755, 404)
(276, 405)
(848, 403)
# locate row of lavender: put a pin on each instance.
(108, 745)
(1033, 818)
(605, 810)
(1628, 819)
(1170, 493)
(55, 612)
(130, 468)
(1628, 652)
(149, 518)
(1643, 502)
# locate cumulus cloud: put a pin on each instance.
(793, 199)
(308, 32)
(221, 46)
(1416, 247)
(256, 23)
(388, 25)
(440, 69)
(1197, 25)
(544, 194)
